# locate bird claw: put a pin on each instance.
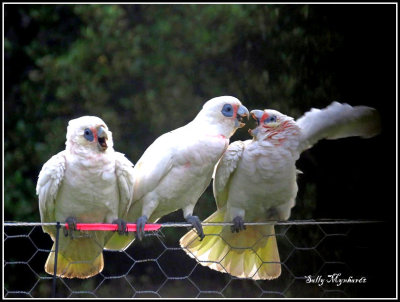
(140, 223)
(238, 224)
(71, 221)
(122, 227)
(196, 224)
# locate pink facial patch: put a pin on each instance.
(94, 131)
(235, 110)
(264, 117)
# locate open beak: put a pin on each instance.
(102, 138)
(257, 115)
(240, 115)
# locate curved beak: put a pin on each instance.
(242, 112)
(257, 115)
(102, 138)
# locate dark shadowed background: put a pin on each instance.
(148, 69)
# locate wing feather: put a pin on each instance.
(125, 178)
(337, 121)
(154, 165)
(224, 170)
(49, 181)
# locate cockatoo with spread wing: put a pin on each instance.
(255, 181)
(88, 182)
(177, 167)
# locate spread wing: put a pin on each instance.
(337, 121)
(125, 179)
(224, 170)
(50, 179)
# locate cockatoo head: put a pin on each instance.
(89, 133)
(226, 112)
(273, 125)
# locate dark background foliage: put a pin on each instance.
(147, 69)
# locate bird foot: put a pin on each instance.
(196, 224)
(238, 224)
(122, 228)
(140, 223)
(71, 221)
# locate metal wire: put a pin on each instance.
(178, 224)
(158, 267)
(55, 261)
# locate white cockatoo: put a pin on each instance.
(177, 167)
(88, 182)
(255, 181)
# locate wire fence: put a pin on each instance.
(317, 257)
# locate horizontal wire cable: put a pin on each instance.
(153, 227)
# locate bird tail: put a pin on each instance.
(77, 258)
(117, 242)
(251, 253)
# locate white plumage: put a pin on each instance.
(337, 121)
(255, 181)
(177, 167)
(88, 182)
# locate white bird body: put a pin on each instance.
(93, 202)
(190, 164)
(255, 181)
(90, 183)
(177, 167)
(269, 175)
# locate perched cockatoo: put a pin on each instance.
(88, 182)
(255, 181)
(177, 167)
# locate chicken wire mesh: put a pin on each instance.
(157, 267)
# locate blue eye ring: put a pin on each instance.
(270, 119)
(88, 134)
(227, 110)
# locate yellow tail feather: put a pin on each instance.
(77, 258)
(252, 253)
(119, 242)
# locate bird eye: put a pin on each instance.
(227, 110)
(88, 134)
(270, 119)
